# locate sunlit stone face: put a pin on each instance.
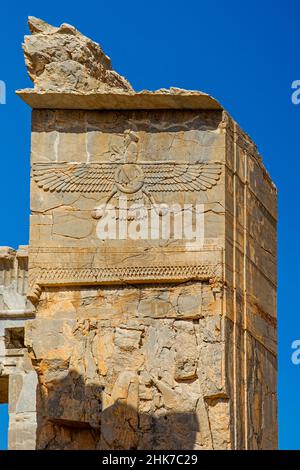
(148, 296)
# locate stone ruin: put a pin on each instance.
(118, 342)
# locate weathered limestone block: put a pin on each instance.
(22, 404)
(250, 257)
(18, 379)
(148, 334)
(63, 59)
(186, 357)
(100, 369)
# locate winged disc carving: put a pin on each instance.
(128, 178)
(135, 181)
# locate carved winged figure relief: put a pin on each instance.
(135, 181)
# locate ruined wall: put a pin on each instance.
(251, 276)
(18, 379)
(144, 341)
(130, 367)
(127, 365)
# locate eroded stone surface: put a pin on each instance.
(63, 59)
(166, 365)
(132, 379)
(18, 379)
(143, 343)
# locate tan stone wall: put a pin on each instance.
(134, 367)
(64, 137)
(152, 344)
(18, 379)
(250, 274)
(143, 343)
(152, 352)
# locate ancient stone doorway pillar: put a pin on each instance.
(146, 335)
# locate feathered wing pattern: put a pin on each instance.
(181, 176)
(75, 177)
(100, 177)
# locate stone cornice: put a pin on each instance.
(173, 98)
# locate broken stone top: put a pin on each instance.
(64, 60)
(70, 71)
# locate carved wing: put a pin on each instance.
(74, 177)
(172, 176)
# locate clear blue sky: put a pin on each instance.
(246, 54)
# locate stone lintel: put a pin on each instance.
(161, 99)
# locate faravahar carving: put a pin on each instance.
(127, 178)
(136, 180)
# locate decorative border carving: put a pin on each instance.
(57, 276)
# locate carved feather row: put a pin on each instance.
(181, 176)
(100, 177)
(73, 177)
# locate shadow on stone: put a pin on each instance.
(71, 415)
(110, 122)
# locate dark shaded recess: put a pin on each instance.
(70, 416)
(14, 338)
